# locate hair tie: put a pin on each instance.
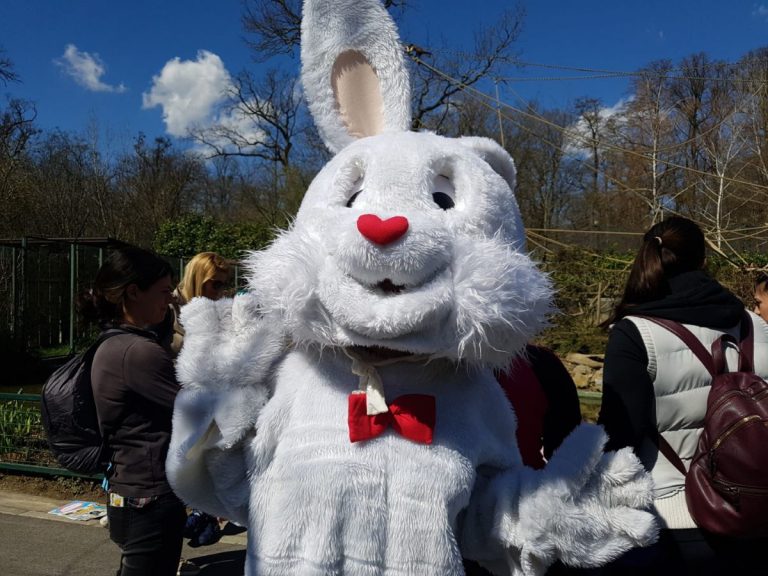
(658, 239)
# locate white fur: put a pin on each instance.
(471, 294)
(228, 343)
(260, 428)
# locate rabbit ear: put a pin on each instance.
(353, 70)
(498, 158)
(501, 162)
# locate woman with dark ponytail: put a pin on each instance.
(654, 387)
(134, 386)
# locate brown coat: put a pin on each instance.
(134, 386)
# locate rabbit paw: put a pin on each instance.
(227, 343)
(586, 507)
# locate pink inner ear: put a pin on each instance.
(357, 91)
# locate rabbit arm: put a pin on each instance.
(206, 467)
(228, 353)
(585, 509)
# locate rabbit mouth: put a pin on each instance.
(388, 287)
(383, 309)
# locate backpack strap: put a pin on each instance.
(693, 343)
(747, 344)
(88, 360)
(708, 360)
(89, 354)
(104, 336)
(669, 452)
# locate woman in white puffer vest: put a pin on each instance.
(653, 384)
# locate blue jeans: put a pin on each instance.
(150, 537)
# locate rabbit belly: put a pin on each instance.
(323, 505)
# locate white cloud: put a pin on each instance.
(86, 69)
(579, 136)
(188, 92)
(761, 11)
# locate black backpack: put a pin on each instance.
(69, 414)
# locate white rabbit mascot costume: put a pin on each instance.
(345, 408)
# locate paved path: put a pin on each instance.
(35, 543)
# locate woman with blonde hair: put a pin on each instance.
(206, 274)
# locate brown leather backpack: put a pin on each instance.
(726, 486)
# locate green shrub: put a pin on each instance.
(579, 275)
(19, 423)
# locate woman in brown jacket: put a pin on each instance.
(134, 387)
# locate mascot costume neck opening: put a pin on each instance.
(344, 408)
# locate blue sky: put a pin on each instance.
(128, 66)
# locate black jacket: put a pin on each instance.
(134, 386)
(628, 408)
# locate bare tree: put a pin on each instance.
(440, 73)
(158, 183)
(262, 119)
(7, 73)
(592, 125)
(722, 145)
(753, 70)
(647, 135)
(547, 179)
(17, 130)
(219, 187)
(691, 91)
(274, 26)
(107, 203)
(61, 184)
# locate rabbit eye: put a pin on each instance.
(443, 200)
(443, 192)
(353, 198)
(355, 189)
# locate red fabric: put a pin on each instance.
(382, 231)
(411, 415)
(524, 391)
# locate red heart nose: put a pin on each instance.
(382, 231)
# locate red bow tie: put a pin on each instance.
(411, 415)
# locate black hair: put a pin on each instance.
(671, 247)
(761, 281)
(125, 266)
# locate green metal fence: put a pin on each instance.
(23, 445)
(39, 278)
(39, 281)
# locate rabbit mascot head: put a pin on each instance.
(407, 241)
(345, 407)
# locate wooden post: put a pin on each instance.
(598, 302)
